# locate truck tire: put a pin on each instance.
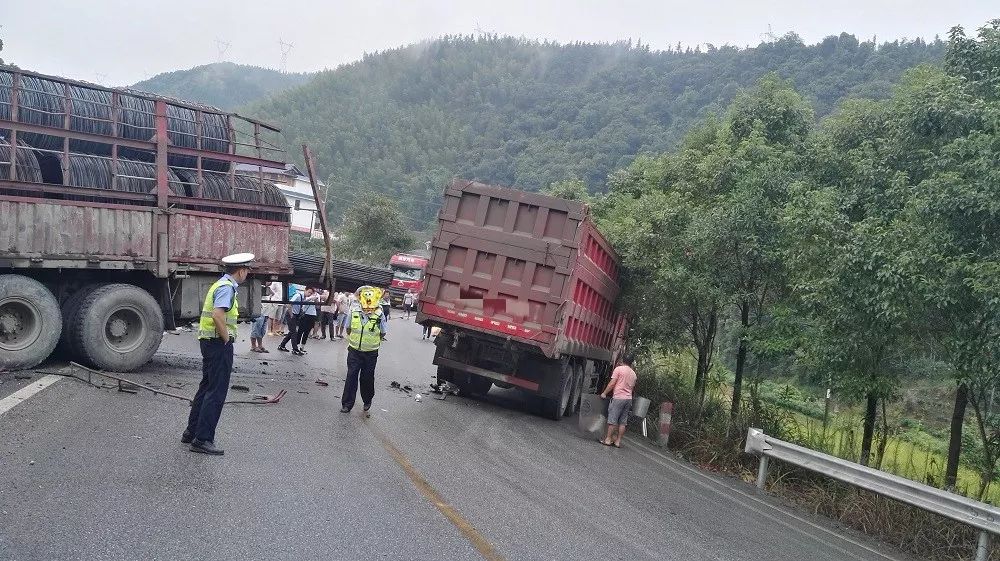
(577, 395)
(477, 386)
(30, 322)
(555, 407)
(118, 327)
(65, 349)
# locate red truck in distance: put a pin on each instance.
(407, 274)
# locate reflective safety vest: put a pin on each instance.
(206, 325)
(367, 336)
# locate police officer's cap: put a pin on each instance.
(238, 259)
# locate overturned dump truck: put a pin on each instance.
(115, 209)
(523, 287)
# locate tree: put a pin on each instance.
(854, 296)
(768, 126)
(950, 119)
(570, 189)
(373, 230)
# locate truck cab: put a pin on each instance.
(407, 274)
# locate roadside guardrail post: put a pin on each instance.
(762, 473)
(983, 550)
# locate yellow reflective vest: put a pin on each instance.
(206, 325)
(365, 336)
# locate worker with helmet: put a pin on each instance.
(366, 329)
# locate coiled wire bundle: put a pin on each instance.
(42, 158)
(26, 164)
(95, 172)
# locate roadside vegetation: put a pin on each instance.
(773, 256)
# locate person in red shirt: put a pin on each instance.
(622, 383)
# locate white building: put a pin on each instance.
(294, 185)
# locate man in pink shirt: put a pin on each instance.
(622, 382)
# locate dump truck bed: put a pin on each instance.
(525, 267)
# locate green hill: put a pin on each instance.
(527, 113)
(222, 84)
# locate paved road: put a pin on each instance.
(93, 474)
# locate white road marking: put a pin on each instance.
(14, 399)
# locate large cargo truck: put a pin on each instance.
(523, 287)
(115, 209)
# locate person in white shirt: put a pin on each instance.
(408, 299)
(343, 307)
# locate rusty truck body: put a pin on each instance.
(523, 286)
(115, 209)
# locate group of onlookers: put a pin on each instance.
(312, 313)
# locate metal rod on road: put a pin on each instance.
(762, 472)
(120, 380)
(983, 550)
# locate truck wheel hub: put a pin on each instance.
(118, 328)
(19, 324)
(124, 330)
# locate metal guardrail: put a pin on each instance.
(984, 517)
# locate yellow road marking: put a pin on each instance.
(482, 545)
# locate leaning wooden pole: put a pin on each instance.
(325, 276)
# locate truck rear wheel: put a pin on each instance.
(577, 395)
(477, 385)
(117, 327)
(30, 322)
(65, 349)
(555, 407)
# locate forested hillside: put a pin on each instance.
(222, 84)
(528, 113)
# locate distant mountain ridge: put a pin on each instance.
(222, 84)
(527, 113)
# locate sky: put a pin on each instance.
(120, 42)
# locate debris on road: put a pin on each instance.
(395, 385)
(417, 398)
(125, 385)
(239, 388)
(322, 383)
(300, 391)
(22, 377)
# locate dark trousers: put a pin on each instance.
(293, 332)
(306, 323)
(427, 330)
(216, 369)
(360, 368)
(325, 319)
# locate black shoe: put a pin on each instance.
(298, 353)
(205, 447)
(282, 349)
(345, 410)
(186, 438)
(368, 406)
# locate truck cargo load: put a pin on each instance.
(524, 287)
(116, 207)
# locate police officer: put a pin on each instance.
(216, 334)
(366, 330)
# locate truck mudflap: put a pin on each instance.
(486, 373)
